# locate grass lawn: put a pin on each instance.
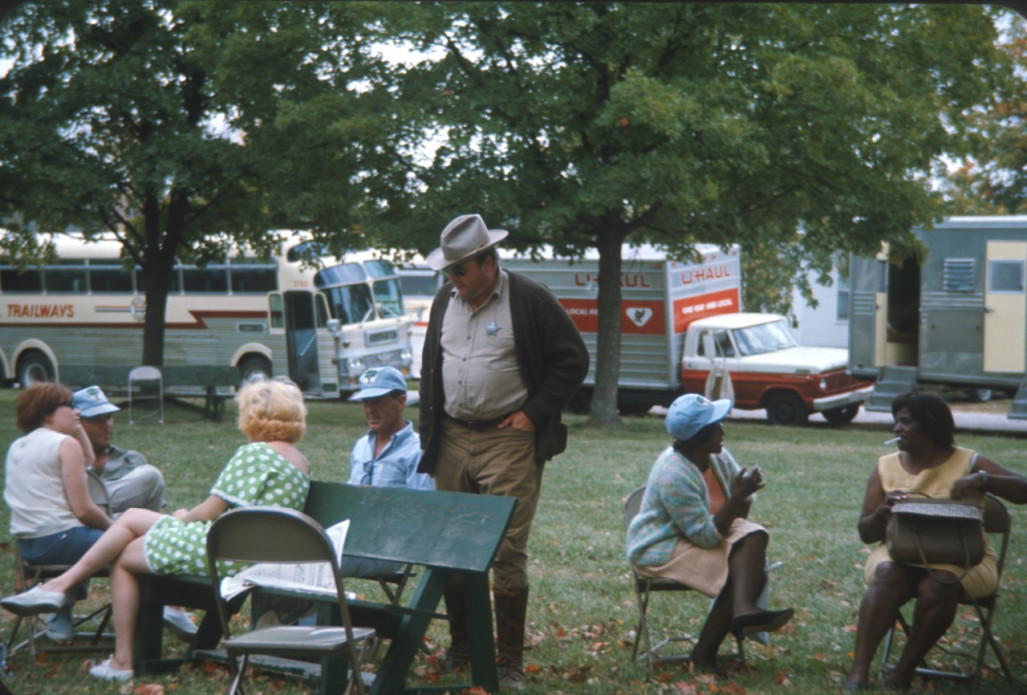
(582, 610)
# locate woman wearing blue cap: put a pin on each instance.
(692, 526)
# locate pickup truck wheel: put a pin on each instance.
(786, 409)
(843, 415)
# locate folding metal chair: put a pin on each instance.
(998, 525)
(96, 621)
(644, 589)
(145, 384)
(277, 535)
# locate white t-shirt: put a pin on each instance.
(34, 488)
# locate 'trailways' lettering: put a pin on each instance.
(40, 311)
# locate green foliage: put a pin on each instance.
(588, 124)
(582, 609)
(181, 127)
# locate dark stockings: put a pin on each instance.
(745, 579)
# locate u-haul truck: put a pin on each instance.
(660, 298)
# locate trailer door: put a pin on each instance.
(1005, 307)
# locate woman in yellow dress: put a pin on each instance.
(927, 462)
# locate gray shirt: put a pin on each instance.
(480, 376)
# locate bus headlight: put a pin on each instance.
(354, 367)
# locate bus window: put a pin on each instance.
(340, 275)
(321, 309)
(250, 275)
(276, 310)
(14, 281)
(174, 286)
(66, 277)
(425, 284)
(210, 280)
(388, 298)
(109, 279)
(351, 303)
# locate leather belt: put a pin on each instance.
(478, 425)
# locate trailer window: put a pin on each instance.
(1005, 276)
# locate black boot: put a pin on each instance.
(511, 614)
(459, 653)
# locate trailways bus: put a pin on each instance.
(958, 319)
(319, 321)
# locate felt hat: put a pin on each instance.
(691, 412)
(379, 381)
(464, 237)
(91, 401)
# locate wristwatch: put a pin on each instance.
(984, 480)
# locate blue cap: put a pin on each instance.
(690, 413)
(379, 381)
(91, 402)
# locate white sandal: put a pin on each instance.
(106, 672)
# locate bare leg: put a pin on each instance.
(131, 525)
(936, 604)
(892, 586)
(125, 602)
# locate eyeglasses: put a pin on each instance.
(368, 472)
(457, 271)
(69, 403)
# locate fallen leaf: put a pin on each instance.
(148, 689)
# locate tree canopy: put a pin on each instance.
(181, 127)
(795, 130)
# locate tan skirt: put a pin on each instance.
(980, 581)
(703, 569)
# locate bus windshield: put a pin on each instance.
(349, 298)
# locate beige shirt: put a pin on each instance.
(479, 367)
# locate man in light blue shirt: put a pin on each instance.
(387, 456)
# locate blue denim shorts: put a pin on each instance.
(61, 548)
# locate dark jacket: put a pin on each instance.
(551, 355)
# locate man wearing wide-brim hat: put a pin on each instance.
(501, 360)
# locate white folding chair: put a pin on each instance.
(145, 385)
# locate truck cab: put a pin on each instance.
(770, 370)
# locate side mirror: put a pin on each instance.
(334, 325)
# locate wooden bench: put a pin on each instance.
(441, 532)
(178, 380)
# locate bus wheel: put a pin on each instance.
(786, 408)
(254, 368)
(34, 367)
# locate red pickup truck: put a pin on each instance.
(770, 370)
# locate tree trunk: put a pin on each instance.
(156, 309)
(604, 397)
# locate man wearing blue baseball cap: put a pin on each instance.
(119, 479)
(127, 479)
(387, 456)
(692, 527)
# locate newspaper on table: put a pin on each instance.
(311, 577)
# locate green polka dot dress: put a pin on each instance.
(257, 475)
